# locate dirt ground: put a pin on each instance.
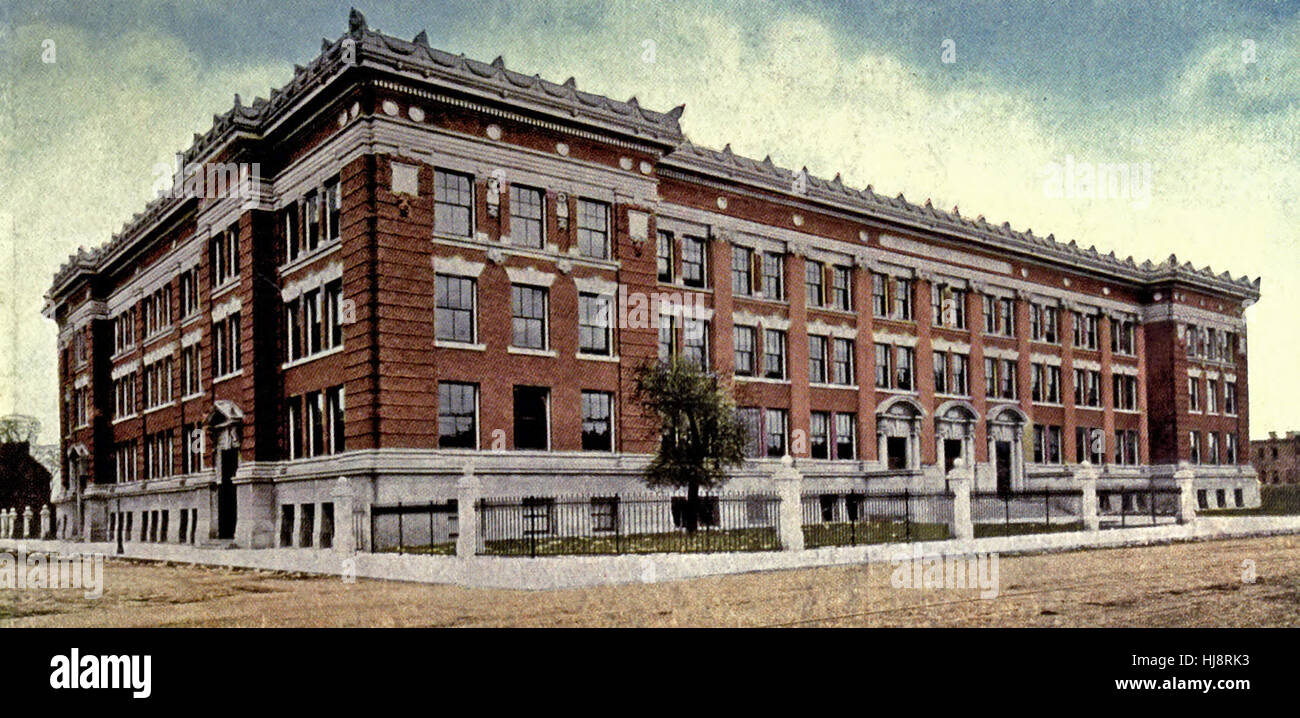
(1188, 584)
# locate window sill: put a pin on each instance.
(1053, 404)
(324, 249)
(312, 357)
(224, 289)
(899, 392)
(598, 357)
(169, 405)
(763, 380)
(952, 396)
(465, 346)
(227, 377)
(191, 319)
(522, 351)
(822, 385)
(191, 397)
(121, 419)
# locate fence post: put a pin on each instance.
(4, 523)
(1086, 476)
(28, 515)
(1184, 476)
(345, 523)
(789, 489)
(960, 479)
(47, 529)
(468, 492)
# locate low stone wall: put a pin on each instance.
(560, 572)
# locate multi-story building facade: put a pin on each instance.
(1277, 459)
(438, 261)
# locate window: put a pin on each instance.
(842, 288)
(594, 324)
(951, 373)
(742, 271)
(226, 356)
(189, 288)
(846, 432)
(1193, 393)
(667, 336)
(884, 366)
(1194, 437)
(948, 306)
(1047, 444)
(999, 316)
(1211, 396)
(1212, 447)
(457, 415)
(597, 421)
(335, 437)
(125, 460)
(593, 229)
(532, 423)
(528, 312)
(311, 206)
(454, 301)
(664, 256)
(604, 513)
(752, 420)
(879, 295)
(1230, 397)
(293, 427)
(1044, 323)
(290, 227)
(815, 282)
(842, 362)
(904, 369)
(157, 382)
(940, 373)
(157, 310)
(819, 435)
(1003, 378)
(1085, 330)
(223, 256)
(1089, 445)
(693, 262)
(902, 299)
(1046, 384)
(744, 350)
(159, 453)
(526, 227)
(333, 307)
(816, 359)
(776, 430)
(333, 207)
(1123, 337)
(453, 201)
(124, 396)
(1229, 448)
(124, 330)
(192, 451)
(1087, 387)
(1126, 447)
(311, 321)
(695, 342)
(774, 354)
(773, 276)
(1125, 392)
(314, 424)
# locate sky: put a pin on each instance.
(969, 104)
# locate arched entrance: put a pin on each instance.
(225, 425)
(954, 434)
(1006, 446)
(75, 482)
(898, 433)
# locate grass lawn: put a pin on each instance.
(851, 533)
(1273, 501)
(702, 541)
(1022, 528)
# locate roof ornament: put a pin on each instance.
(356, 24)
(676, 112)
(499, 63)
(422, 39)
(571, 83)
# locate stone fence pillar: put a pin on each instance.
(345, 533)
(1090, 514)
(960, 480)
(469, 489)
(1185, 478)
(29, 524)
(789, 489)
(4, 523)
(47, 528)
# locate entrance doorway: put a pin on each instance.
(951, 452)
(896, 447)
(1002, 462)
(227, 505)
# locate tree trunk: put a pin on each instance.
(692, 507)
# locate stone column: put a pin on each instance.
(4, 524)
(1086, 476)
(47, 529)
(1184, 477)
(345, 524)
(469, 489)
(959, 482)
(28, 524)
(789, 489)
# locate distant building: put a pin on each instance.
(1277, 459)
(24, 480)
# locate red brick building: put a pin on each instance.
(414, 273)
(1277, 458)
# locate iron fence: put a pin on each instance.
(615, 524)
(1137, 506)
(850, 519)
(1026, 512)
(428, 527)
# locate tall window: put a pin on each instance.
(1044, 323)
(1212, 447)
(1087, 387)
(752, 419)
(664, 256)
(951, 373)
(593, 229)
(776, 429)
(1229, 448)
(773, 276)
(1047, 384)
(293, 427)
(1194, 438)
(289, 224)
(999, 316)
(124, 330)
(1124, 392)
(846, 431)
(1126, 447)
(192, 451)
(695, 342)
(902, 299)
(742, 271)
(226, 356)
(693, 262)
(879, 295)
(311, 208)
(744, 350)
(454, 299)
(884, 366)
(842, 362)
(1211, 396)
(1085, 330)
(947, 306)
(941, 372)
(904, 369)
(528, 313)
(223, 256)
(333, 206)
(335, 437)
(815, 282)
(457, 415)
(819, 435)
(667, 336)
(1123, 337)
(1089, 445)
(189, 287)
(594, 324)
(774, 354)
(1193, 393)
(597, 421)
(453, 203)
(816, 359)
(1047, 444)
(842, 288)
(526, 226)
(1230, 397)
(532, 417)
